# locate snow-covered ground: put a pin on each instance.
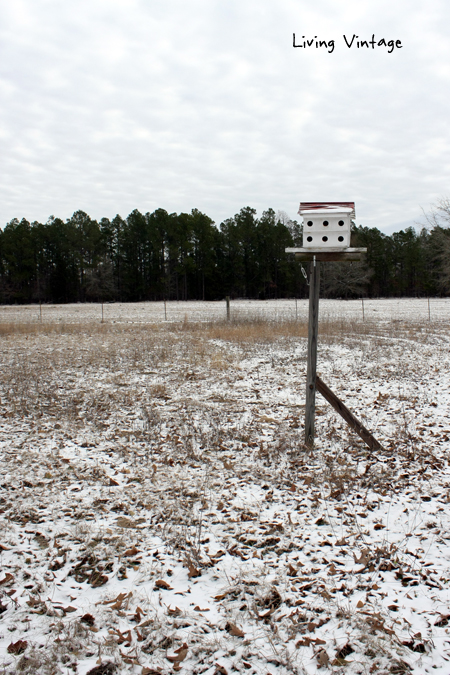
(437, 309)
(160, 512)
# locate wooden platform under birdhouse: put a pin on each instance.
(328, 254)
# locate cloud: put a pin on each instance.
(110, 106)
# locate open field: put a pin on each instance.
(159, 511)
(269, 310)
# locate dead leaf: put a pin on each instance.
(321, 521)
(17, 647)
(442, 621)
(307, 641)
(322, 658)
(292, 571)
(160, 583)
(193, 571)
(97, 579)
(360, 604)
(3, 548)
(8, 578)
(364, 558)
(117, 602)
(145, 624)
(265, 615)
(138, 615)
(150, 671)
(113, 482)
(221, 669)
(125, 522)
(234, 630)
(221, 596)
(198, 609)
(132, 551)
(180, 654)
(342, 653)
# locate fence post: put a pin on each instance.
(313, 328)
(228, 307)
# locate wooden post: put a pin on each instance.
(362, 300)
(315, 258)
(102, 311)
(429, 311)
(228, 307)
(313, 327)
(165, 310)
(351, 420)
(296, 311)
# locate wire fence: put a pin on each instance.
(367, 310)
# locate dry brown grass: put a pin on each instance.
(240, 329)
(236, 331)
(12, 328)
(254, 330)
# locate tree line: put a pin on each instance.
(161, 255)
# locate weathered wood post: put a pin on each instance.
(326, 238)
(228, 307)
(313, 330)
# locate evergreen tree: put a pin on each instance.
(18, 262)
(184, 256)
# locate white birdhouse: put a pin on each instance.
(326, 225)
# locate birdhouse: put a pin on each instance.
(326, 225)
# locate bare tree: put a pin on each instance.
(293, 226)
(345, 280)
(100, 282)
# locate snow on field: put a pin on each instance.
(159, 511)
(438, 309)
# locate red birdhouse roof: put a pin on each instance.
(327, 206)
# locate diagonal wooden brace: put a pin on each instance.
(351, 420)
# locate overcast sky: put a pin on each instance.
(112, 105)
